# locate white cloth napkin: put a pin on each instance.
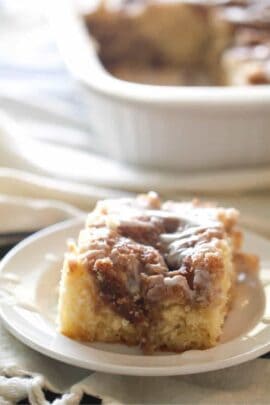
(33, 171)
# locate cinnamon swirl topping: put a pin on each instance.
(141, 252)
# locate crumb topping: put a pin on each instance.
(141, 252)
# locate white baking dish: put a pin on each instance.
(168, 127)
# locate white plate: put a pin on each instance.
(29, 278)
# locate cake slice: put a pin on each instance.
(151, 274)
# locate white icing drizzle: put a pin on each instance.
(185, 234)
(180, 281)
(185, 241)
(179, 249)
(192, 231)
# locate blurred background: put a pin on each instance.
(35, 87)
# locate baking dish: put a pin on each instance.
(168, 127)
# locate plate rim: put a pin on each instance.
(108, 367)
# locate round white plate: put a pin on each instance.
(29, 277)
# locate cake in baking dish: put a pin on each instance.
(184, 42)
(158, 275)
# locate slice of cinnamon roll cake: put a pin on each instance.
(158, 275)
